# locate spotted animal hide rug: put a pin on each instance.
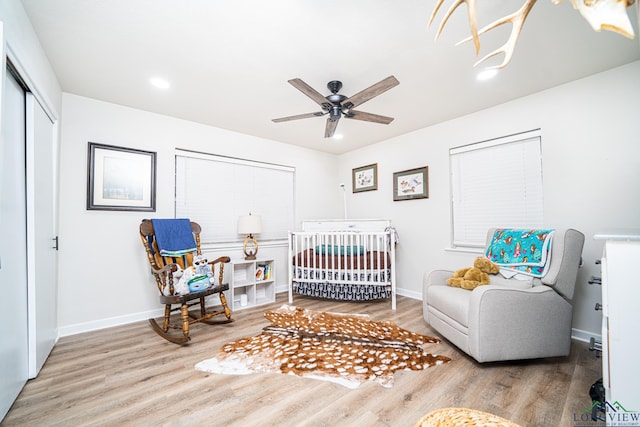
(342, 348)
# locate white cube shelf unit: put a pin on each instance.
(253, 283)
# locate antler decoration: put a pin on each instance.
(471, 11)
(601, 14)
(605, 14)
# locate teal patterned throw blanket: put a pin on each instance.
(524, 251)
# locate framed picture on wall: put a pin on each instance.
(120, 179)
(411, 184)
(365, 178)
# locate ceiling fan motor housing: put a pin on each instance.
(336, 98)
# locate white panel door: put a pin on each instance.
(41, 241)
(13, 246)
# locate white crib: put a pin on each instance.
(350, 260)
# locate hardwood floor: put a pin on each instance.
(128, 375)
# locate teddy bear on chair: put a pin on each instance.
(471, 277)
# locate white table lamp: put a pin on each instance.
(250, 225)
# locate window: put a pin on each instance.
(215, 191)
(496, 183)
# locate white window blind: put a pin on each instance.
(215, 191)
(496, 183)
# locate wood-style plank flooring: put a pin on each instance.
(128, 375)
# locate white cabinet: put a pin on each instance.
(620, 322)
(253, 283)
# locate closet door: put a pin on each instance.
(13, 246)
(41, 235)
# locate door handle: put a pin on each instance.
(55, 239)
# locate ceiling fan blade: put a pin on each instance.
(298, 116)
(330, 128)
(370, 92)
(368, 117)
(311, 93)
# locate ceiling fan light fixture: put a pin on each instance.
(334, 113)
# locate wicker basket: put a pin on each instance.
(459, 417)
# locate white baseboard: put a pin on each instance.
(584, 336)
(409, 294)
(109, 322)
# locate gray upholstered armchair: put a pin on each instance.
(509, 319)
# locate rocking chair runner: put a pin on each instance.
(163, 268)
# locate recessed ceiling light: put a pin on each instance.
(487, 74)
(160, 83)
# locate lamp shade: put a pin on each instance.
(249, 224)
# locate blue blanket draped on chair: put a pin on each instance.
(520, 250)
(173, 236)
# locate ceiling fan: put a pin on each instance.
(337, 105)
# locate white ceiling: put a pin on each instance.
(228, 62)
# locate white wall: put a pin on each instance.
(104, 275)
(591, 171)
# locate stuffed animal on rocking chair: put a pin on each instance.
(195, 278)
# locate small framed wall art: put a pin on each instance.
(411, 184)
(365, 178)
(120, 179)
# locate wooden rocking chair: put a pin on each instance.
(163, 268)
